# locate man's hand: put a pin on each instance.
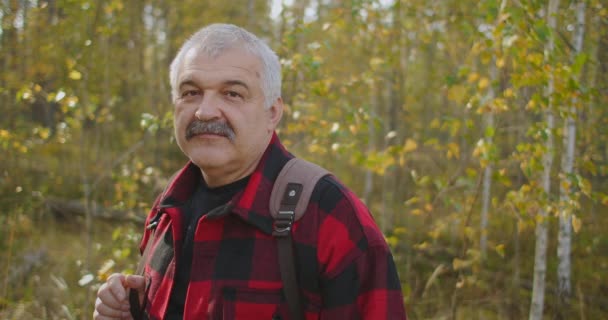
(113, 297)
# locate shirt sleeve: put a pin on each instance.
(146, 233)
(368, 288)
(358, 277)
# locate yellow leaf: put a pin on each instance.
(457, 93)
(400, 230)
(392, 241)
(416, 212)
(435, 123)
(44, 133)
(422, 246)
(470, 233)
(453, 151)
(458, 264)
(500, 63)
(576, 223)
(401, 161)
(585, 187)
(375, 62)
(410, 145)
(472, 77)
(500, 249)
(106, 269)
(70, 63)
(75, 75)
(479, 148)
(483, 83)
(411, 201)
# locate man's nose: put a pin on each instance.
(208, 108)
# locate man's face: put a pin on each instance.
(220, 120)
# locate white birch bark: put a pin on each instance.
(564, 238)
(371, 147)
(540, 252)
(489, 139)
(487, 174)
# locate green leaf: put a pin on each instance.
(490, 131)
(579, 63)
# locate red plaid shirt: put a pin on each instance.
(345, 268)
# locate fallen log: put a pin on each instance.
(64, 209)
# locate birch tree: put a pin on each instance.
(540, 252)
(564, 247)
(487, 173)
(489, 137)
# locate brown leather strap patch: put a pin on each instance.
(296, 171)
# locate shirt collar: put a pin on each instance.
(252, 205)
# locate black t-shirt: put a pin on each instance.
(203, 200)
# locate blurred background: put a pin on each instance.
(476, 131)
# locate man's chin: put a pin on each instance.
(210, 159)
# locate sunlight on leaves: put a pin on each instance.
(576, 223)
(75, 75)
(500, 249)
(409, 146)
(86, 279)
(106, 270)
(459, 264)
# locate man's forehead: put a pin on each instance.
(231, 59)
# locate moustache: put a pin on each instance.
(209, 127)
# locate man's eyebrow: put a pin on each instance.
(236, 83)
(190, 82)
(187, 82)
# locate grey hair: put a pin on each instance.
(214, 39)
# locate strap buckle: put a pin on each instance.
(283, 223)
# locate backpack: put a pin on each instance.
(288, 202)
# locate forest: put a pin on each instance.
(475, 131)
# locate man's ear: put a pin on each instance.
(275, 113)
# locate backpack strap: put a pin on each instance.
(288, 201)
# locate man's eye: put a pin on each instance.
(190, 93)
(233, 94)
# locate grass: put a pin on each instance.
(51, 288)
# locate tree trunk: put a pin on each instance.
(487, 174)
(394, 103)
(489, 139)
(371, 147)
(564, 238)
(515, 287)
(540, 252)
(9, 54)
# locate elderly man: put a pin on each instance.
(213, 255)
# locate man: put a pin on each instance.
(213, 254)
